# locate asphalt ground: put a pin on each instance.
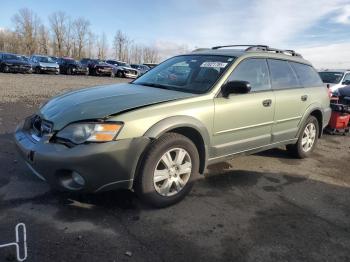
(263, 207)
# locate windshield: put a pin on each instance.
(45, 59)
(187, 73)
(11, 57)
(331, 77)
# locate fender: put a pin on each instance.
(308, 111)
(174, 122)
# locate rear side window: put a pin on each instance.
(253, 70)
(307, 75)
(282, 75)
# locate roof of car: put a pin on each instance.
(252, 50)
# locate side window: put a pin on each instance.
(307, 75)
(282, 75)
(253, 70)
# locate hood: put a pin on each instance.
(128, 68)
(103, 101)
(48, 64)
(15, 62)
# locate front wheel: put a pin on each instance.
(120, 74)
(6, 69)
(169, 169)
(307, 139)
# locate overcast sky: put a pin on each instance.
(319, 29)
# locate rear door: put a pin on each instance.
(291, 100)
(244, 121)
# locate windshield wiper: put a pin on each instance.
(154, 85)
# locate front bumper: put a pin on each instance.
(103, 166)
(50, 69)
(128, 75)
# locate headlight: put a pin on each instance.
(90, 132)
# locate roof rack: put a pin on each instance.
(264, 48)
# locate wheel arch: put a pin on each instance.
(317, 112)
(187, 126)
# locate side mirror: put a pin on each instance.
(346, 82)
(235, 87)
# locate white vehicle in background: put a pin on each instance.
(335, 78)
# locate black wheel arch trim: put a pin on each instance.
(176, 122)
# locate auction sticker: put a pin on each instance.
(214, 64)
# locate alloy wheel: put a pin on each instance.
(309, 137)
(172, 172)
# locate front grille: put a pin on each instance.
(40, 127)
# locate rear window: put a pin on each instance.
(307, 75)
(282, 75)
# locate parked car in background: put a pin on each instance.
(98, 67)
(335, 78)
(141, 68)
(69, 66)
(44, 64)
(12, 63)
(123, 69)
(159, 135)
(54, 58)
(150, 65)
(25, 58)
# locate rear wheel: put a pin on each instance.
(169, 169)
(307, 139)
(69, 71)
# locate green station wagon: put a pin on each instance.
(158, 133)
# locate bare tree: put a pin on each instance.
(91, 43)
(10, 42)
(136, 54)
(26, 26)
(68, 39)
(102, 46)
(58, 27)
(150, 55)
(81, 31)
(121, 46)
(43, 40)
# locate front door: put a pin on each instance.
(244, 121)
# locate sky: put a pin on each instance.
(318, 29)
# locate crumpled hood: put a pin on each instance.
(102, 101)
(48, 64)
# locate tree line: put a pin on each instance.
(64, 36)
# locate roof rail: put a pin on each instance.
(249, 46)
(264, 48)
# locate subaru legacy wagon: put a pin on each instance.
(156, 134)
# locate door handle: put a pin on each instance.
(267, 102)
(304, 98)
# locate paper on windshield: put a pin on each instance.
(214, 64)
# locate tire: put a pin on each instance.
(120, 74)
(6, 69)
(37, 70)
(69, 71)
(172, 186)
(302, 149)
